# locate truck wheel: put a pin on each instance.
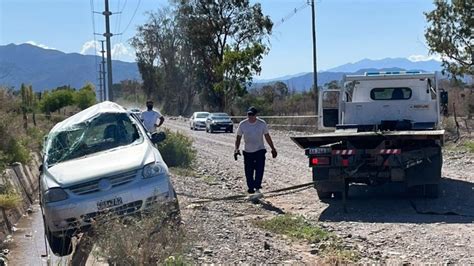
(431, 191)
(60, 246)
(324, 195)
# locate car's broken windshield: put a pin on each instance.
(103, 132)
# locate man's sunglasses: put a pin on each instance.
(250, 114)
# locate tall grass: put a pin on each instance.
(152, 238)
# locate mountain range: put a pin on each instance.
(48, 69)
(304, 81)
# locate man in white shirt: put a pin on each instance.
(150, 117)
(254, 130)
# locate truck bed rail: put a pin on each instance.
(318, 140)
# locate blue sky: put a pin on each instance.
(347, 30)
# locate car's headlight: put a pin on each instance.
(55, 194)
(153, 169)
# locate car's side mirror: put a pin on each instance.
(158, 137)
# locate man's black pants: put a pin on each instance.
(254, 163)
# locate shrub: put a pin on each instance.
(17, 152)
(470, 146)
(9, 198)
(177, 149)
(148, 239)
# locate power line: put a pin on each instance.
(120, 19)
(133, 16)
(290, 15)
(95, 45)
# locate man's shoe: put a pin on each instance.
(251, 191)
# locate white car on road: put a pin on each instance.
(198, 120)
(98, 161)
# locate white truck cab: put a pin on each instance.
(380, 100)
(386, 130)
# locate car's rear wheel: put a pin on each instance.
(60, 246)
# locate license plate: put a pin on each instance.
(223, 127)
(105, 204)
(314, 151)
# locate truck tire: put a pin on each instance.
(323, 195)
(431, 191)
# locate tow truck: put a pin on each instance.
(386, 128)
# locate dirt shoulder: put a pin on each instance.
(381, 224)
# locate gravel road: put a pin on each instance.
(382, 223)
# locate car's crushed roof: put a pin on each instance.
(87, 114)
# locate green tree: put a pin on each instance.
(450, 34)
(85, 97)
(227, 39)
(55, 100)
(146, 53)
(165, 62)
(28, 103)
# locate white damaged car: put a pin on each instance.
(101, 160)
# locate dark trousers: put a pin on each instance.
(254, 163)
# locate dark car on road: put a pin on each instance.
(219, 122)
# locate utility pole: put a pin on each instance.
(315, 69)
(104, 92)
(101, 89)
(107, 36)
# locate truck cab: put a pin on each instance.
(386, 128)
(383, 100)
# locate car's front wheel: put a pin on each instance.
(60, 246)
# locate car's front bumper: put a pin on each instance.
(222, 126)
(200, 125)
(79, 211)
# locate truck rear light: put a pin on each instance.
(390, 151)
(345, 162)
(343, 152)
(320, 161)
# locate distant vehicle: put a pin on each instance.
(219, 122)
(198, 120)
(387, 130)
(101, 160)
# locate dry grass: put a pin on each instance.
(331, 248)
(9, 199)
(147, 239)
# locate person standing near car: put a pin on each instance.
(253, 130)
(150, 117)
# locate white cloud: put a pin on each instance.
(120, 51)
(418, 58)
(40, 45)
(91, 47)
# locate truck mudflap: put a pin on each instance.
(322, 139)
